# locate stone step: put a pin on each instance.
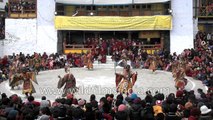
(109, 57)
(111, 66)
(107, 62)
(110, 62)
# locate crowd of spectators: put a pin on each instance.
(22, 6)
(111, 45)
(2, 29)
(192, 105)
(200, 59)
(206, 9)
(176, 106)
(47, 62)
(119, 49)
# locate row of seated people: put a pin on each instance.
(182, 105)
(110, 45)
(43, 62)
(2, 28)
(2, 33)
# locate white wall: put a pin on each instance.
(47, 35)
(2, 4)
(20, 36)
(181, 35)
(32, 35)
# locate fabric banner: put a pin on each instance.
(109, 23)
(109, 2)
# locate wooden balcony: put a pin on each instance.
(205, 12)
(79, 48)
(22, 15)
(16, 9)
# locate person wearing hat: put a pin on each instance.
(12, 76)
(153, 61)
(27, 77)
(122, 107)
(37, 62)
(205, 113)
(157, 107)
(125, 81)
(69, 83)
(89, 60)
(180, 80)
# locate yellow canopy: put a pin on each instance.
(111, 23)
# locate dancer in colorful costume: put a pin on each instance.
(125, 81)
(70, 84)
(89, 61)
(153, 62)
(180, 80)
(27, 77)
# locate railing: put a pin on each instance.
(150, 49)
(117, 13)
(25, 14)
(205, 11)
(76, 46)
(149, 46)
(79, 48)
(22, 8)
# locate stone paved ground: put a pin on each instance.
(101, 81)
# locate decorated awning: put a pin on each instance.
(109, 23)
(109, 2)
